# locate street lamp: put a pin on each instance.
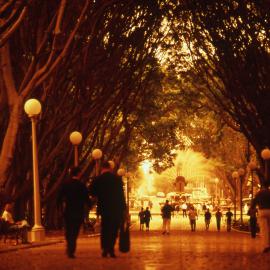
(97, 155)
(241, 173)
(235, 176)
(128, 175)
(33, 108)
(121, 172)
(252, 166)
(265, 154)
(75, 138)
(216, 191)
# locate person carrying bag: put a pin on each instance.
(124, 236)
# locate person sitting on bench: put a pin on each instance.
(19, 226)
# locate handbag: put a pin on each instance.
(124, 238)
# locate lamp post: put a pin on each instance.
(128, 175)
(33, 108)
(265, 154)
(252, 166)
(241, 173)
(121, 172)
(235, 176)
(216, 191)
(97, 155)
(75, 138)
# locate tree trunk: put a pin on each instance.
(15, 108)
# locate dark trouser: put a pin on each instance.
(218, 224)
(184, 213)
(207, 223)
(193, 224)
(109, 231)
(72, 226)
(253, 227)
(147, 223)
(229, 225)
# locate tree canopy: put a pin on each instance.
(136, 78)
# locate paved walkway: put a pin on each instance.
(182, 249)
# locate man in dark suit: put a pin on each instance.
(108, 189)
(262, 200)
(74, 197)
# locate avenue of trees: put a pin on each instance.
(135, 78)
(227, 47)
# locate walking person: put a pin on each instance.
(73, 196)
(218, 218)
(166, 216)
(207, 218)
(229, 216)
(111, 205)
(184, 209)
(252, 212)
(192, 214)
(147, 217)
(141, 219)
(262, 199)
(177, 208)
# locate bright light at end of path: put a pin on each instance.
(146, 165)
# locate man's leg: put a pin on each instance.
(164, 225)
(72, 232)
(104, 236)
(168, 225)
(115, 226)
(218, 225)
(191, 224)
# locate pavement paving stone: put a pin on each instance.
(182, 249)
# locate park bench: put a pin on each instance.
(89, 225)
(10, 232)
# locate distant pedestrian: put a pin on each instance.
(192, 214)
(207, 218)
(166, 216)
(141, 219)
(218, 218)
(229, 216)
(111, 205)
(252, 212)
(74, 197)
(204, 208)
(184, 209)
(177, 209)
(147, 217)
(262, 199)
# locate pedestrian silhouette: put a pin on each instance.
(184, 209)
(192, 214)
(229, 216)
(141, 219)
(166, 216)
(218, 218)
(207, 219)
(73, 196)
(252, 212)
(262, 199)
(147, 217)
(108, 189)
